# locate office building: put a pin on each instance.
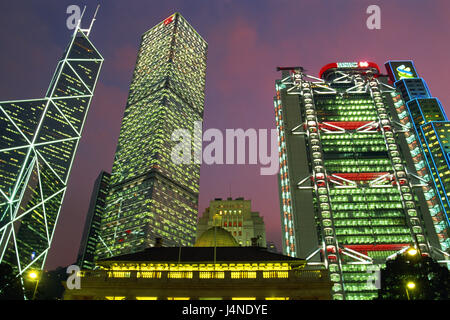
(427, 140)
(38, 142)
(150, 194)
(350, 193)
(90, 238)
(237, 217)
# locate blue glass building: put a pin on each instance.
(428, 141)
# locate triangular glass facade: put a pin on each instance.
(38, 141)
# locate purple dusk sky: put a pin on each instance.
(247, 41)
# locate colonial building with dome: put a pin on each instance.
(216, 268)
(216, 237)
(237, 217)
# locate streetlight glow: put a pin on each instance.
(411, 285)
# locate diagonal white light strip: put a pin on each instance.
(71, 97)
(55, 141)
(336, 182)
(14, 124)
(328, 89)
(33, 261)
(314, 78)
(57, 214)
(16, 249)
(358, 253)
(15, 148)
(343, 76)
(346, 180)
(29, 171)
(380, 178)
(100, 238)
(38, 205)
(396, 253)
(65, 118)
(42, 199)
(295, 128)
(92, 45)
(8, 234)
(401, 125)
(88, 60)
(5, 196)
(80, 78)
(387, 86)
(353, 256)
(62, 62)
(312, 254)
(341, 130)
(304, 180)
(291, 89)
(37, 151)
(44, 114)
(416, 176)
(286, 80)
(21, 177)
(368, 126)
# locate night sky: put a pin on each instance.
(247, 41)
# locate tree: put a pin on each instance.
(414, 277)
(50, 285)
(10, 286)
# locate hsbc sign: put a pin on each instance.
(347, 64)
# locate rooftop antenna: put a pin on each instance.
(88, 31)
(92, 21)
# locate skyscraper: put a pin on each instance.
(150, 195)
(350, 194)
(38, 141)
(237, 217)
(89, 240)
(428, 140)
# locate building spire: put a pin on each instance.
(86, 31)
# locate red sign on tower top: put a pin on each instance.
(168, 20)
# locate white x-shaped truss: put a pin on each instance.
(38, 141)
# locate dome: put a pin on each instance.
(222, 238)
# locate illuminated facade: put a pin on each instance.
(235, 216)
(203, 273)
(151, 196)
(94, 216)
(38, 141)
(427, 141)
(350, 193)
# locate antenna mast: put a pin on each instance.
(87, 31)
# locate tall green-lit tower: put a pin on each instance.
(38, 141)
(151, 196)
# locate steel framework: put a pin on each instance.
(343, 248)
(38, 141)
